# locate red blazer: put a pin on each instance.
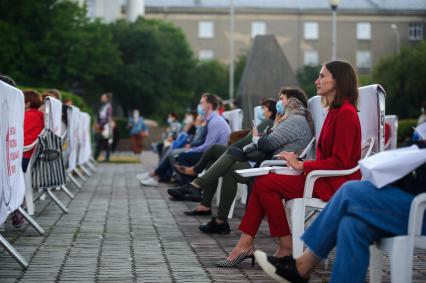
(338, 148)
(33, 125)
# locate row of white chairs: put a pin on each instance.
(81, 170)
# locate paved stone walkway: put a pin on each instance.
(119, 231)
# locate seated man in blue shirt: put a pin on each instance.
(218, 132)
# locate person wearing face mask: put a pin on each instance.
(138, 131)
(218, 132)
(338, 148)
(292, 132)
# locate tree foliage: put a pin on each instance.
(157, 65)
(147, 64)
(52, 43)
(403, 77)
(306, 77)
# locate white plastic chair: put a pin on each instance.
(371, 115)
(400, 248)
(392, 121)
(235, 118)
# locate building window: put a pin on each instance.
(91, 9)
(415, 31)
(205, 54)
(311, 58)
(258, 28)
(363, 31)
(363, 59)
(205, 29)
(311, 30)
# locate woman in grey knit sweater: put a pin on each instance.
(293, 131)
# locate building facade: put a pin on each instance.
(366, 30)
(112, 10)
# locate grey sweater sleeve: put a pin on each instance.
(286, 132)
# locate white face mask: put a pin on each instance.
(170, 120)
(135, 115)
(188, 120)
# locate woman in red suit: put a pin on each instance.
(338, 148)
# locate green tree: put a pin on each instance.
(156, 74)
(211, 76)
(51, 43)
(403, 77)
(306, 77)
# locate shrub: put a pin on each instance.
(405, 129)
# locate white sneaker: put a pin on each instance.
(150, 182)
(143, 176)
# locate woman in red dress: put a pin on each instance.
(338, 148)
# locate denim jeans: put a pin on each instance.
(188, 159)
(356, 216)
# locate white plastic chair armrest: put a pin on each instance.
(273, 163)
(307, 148)
(417, 209)
(370, 147)
(316, 174)
(30, 146)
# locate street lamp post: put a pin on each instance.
(398, 41)
(333, 4)
(231, 51)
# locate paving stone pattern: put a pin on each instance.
(118, 231)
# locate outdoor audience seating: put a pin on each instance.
(400, 248)
(51, 122)
(371, 114)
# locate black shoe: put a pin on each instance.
(176, 194)
(194, 212)
(282, 269)
(214, 228)
(186, 192)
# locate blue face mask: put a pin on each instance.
(259, 113)
(200, 110)
(280, 107)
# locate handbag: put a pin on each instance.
(48, 168)
(253, 153)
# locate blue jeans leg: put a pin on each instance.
(188, 159)
(378, 213)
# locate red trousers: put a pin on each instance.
(266, 198)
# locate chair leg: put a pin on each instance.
(376, 264)
(85, 170)
(218, 190)
(231, 210)
(297, 226)
(81, 176)
(29, 199)
(67, 192)
(74, 180)
(56, 200)
(401, 261)
(31, 220)
(14, 253)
